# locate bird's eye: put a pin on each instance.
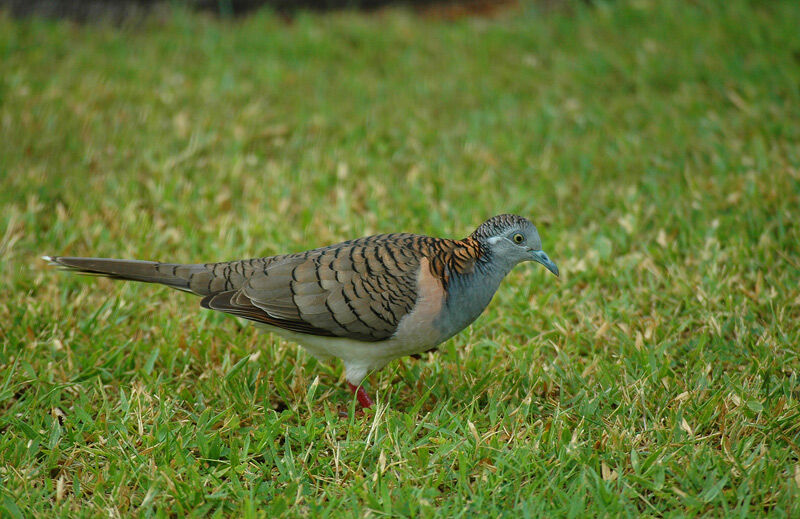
(518, 238)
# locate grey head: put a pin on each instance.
(510, 240)
(501, 243)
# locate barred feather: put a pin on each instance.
(359, 289)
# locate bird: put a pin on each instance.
(365, 301)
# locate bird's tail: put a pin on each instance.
(183, 277)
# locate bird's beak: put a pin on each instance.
(539, 256)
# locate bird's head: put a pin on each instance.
(513, 239)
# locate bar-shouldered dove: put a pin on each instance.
(366, 301)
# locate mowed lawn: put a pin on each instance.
(656, 144)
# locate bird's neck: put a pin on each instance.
(470, 289)
(481, 281)
(467, 262)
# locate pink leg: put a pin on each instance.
(361, 395)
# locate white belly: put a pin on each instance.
(359, 357)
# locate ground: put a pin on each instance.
(655, 144)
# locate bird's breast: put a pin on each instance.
(467, 297)
(441, 312)
(418, 330)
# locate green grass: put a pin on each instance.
(656, 145)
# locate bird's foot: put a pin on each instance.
(361, 395)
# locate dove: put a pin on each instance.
(366, 301)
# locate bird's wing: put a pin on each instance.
(359, 289)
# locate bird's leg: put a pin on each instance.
(361, 395)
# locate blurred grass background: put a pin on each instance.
(655, 144)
